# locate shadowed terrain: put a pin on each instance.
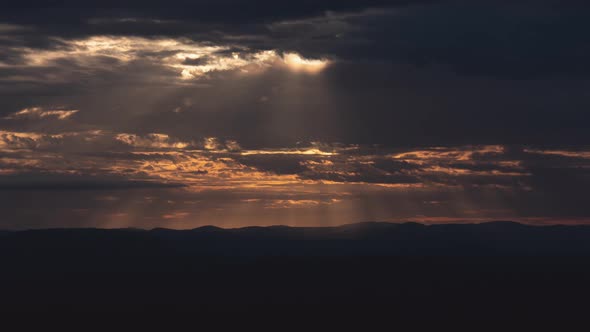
(493, 271)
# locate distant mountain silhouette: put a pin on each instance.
(368, 238)
(490, 272)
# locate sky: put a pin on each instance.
(235, 113)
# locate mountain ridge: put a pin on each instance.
(476, 270)
(365, 239)
(361, 224)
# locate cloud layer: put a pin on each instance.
(232, 113)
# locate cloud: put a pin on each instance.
(152, 141)
(227, 11)
(385, 77)
(59, 142)
(188, 58)
(59, 182)
(354, 183)
(520, 39)
(200, 61)
(40, 113)
(480, 107)
(573, 154)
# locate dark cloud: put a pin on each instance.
(516, 40)
(432, 73)
(521, 39)
(59, 182)
(278, 164)
(225, 11)
(196, 61)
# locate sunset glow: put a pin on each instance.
(235, 114)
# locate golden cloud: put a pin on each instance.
(190, 59)
(40, 113)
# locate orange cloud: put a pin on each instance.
(40, 113)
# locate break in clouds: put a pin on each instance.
(320, 113)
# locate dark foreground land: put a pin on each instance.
(493, 273)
